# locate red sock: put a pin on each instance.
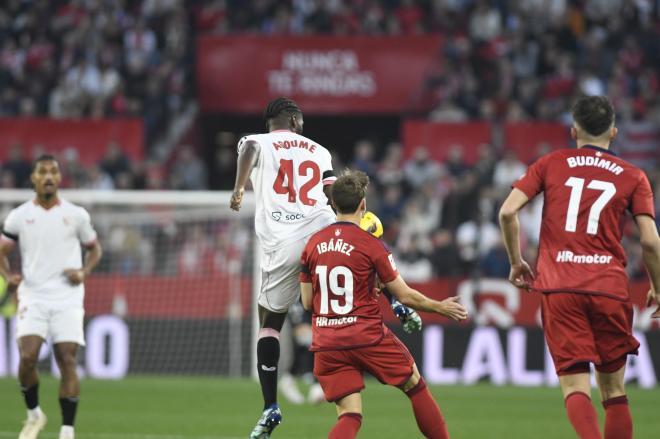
(347, 426)
(618, 422)
(582, 415)
(427, 413)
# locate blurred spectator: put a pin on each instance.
(507, 170)
(421, 168)
(444, 255)
(99, 179)
(19, 168)
(74, 174)
(475, 238)
(391, 205)
(114, 161)
(390, 170)
(495, 263)
(188, 172)
(224, 163)
(455, 164)
(363, 158)
(412, 262)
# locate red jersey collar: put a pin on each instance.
(598, 148)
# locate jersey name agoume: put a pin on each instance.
(50, 242)
(288, 181)
(587, 194)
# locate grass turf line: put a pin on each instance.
(221, 408)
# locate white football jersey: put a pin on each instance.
(50, 242)
(288, 181)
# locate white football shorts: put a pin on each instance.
(63, 322)
(280, 276)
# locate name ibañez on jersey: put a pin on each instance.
(335, 246)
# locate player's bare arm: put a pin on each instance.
(247, 158)
(648, 237)
(93, 256)
(410, 297)
(13, 280)
(521, 273)
(306, 295)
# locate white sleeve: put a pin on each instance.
(11, 227)
(86, 232)
(242, 142)
(328, 174)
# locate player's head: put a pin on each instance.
(45, 175)
(283, 114)
(593, 119)
(349, 192)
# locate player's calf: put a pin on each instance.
(427, 413)
(347, 426)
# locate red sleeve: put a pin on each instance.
(642, 198)
(531, 182)
(305, 276)
(384, 262)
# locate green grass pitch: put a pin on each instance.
(179, 408)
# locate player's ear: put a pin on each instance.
(363, 206)
(613, 132)
(573, 133)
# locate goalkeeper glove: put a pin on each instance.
(408, 317)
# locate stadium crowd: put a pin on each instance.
(105, 58)
(502, 61)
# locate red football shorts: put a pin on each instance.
(340, 373)
(586, 328)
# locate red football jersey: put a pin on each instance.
(587, 193)
(341, 261)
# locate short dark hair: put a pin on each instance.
(43, 158)
(594, 114)
(349, 190)
(281, 106)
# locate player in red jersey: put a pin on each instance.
(586, 309)
(339, 268)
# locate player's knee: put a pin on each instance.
(28, 360)
(611, 389)
(66, 361)
(412, 381)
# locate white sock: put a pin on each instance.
(35, 413)
(66, 430)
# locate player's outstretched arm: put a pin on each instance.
(410, 297)
(648, 236)
(247, 158)
(521, 272)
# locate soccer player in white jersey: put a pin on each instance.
(49, 232)
(291, 176)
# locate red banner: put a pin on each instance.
(489, 301)
(325, 75)
(89, 137)
(530, 140)
(496, 302)
(438, 138)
